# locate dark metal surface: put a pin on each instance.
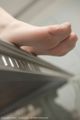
(25, 78)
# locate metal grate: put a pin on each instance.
(27, 84)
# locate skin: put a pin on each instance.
(56, 40)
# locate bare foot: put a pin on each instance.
(48, 40)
